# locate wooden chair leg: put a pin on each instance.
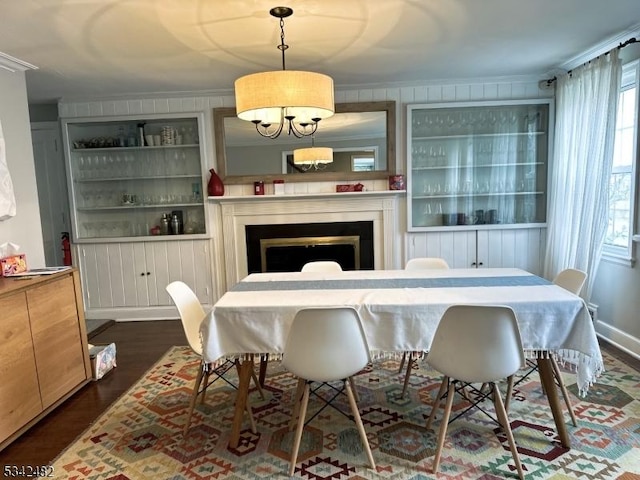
(436, 402)
(563, 389)
(507, 401)
(353, 389)
(443, 425)
(252, 421)
(296, 442)
(194, 397)
(205, 382)
(504, 420)
(296, 402)
(258, 385)
(358, 420)
(407, 376)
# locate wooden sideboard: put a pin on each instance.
(44, 358)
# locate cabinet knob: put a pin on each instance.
(473, 264)
(480, 263)
(149, 273)
(142, 274)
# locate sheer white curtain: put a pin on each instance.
(586, 104)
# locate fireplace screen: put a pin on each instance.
(286, 247)
(287, 254)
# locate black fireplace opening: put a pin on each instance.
(287, 247)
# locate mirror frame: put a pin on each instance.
(219, 114)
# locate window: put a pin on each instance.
(622, 183)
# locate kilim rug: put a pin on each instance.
(140, 435)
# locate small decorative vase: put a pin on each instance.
(215, 187)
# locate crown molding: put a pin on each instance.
(600, 48)
(14, 64)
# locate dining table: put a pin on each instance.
(400, 311)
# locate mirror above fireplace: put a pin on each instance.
(362, 136)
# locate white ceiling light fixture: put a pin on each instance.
(294, 99)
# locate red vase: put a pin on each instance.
(215, 187)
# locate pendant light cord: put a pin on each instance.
(283, 46)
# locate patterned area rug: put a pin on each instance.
(139, 436)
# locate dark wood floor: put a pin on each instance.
(139, 345)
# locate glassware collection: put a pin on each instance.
(477, 164)
(130, 178)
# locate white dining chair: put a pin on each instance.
(191, 315)
(418, 263)
(571, 280)
(475, 344)
(426, 263)
(325, 345)
(321, 266)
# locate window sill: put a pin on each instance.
(617, 259)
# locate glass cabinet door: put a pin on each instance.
(135, 178)
(477, 165)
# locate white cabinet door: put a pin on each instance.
(458, 248)
(134, 275)
(519, 248)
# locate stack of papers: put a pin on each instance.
(39, 271)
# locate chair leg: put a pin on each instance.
(298, 437)
(443, 425)
(205, 382)
(507, 401)
(407, 376)
(504, 420)
(296, 402)
(252, 421)
(353, 389)
(404, 357)
(258, 385)
(358, 420)
(563, 389)
(436, 402)
(194, 397)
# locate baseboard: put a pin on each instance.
(120, 314)
(619, 339)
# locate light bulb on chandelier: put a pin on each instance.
(294, 99)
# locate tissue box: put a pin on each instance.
(13, 264)
(103, 359)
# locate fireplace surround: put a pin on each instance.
(235, 213)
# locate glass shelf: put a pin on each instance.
(121, 186)
(477, 165)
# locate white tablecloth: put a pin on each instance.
(400, 311)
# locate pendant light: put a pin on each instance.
(290, 100)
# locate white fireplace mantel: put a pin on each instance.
(380, 207)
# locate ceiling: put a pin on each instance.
(103, 48)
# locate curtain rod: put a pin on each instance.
(550, 81)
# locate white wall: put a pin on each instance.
(23, 229)
(502, 89)
(616, 292)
